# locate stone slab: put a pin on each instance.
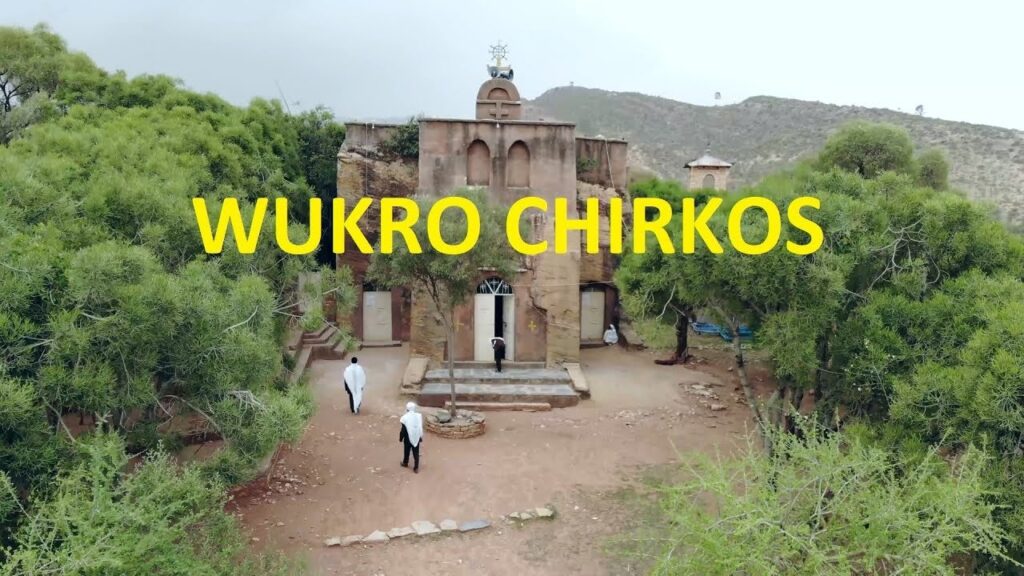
(579, 380)
(425, 528)
(544, 512)
(448, 525)
(473, 525)
(336, 541)
(375, 537)
(400, 532)
(415, 370)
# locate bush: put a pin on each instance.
(404, 143)
(822, 505)
(156, 520)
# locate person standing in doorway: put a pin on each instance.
(355, 382)
(498, 343)
(411, 436)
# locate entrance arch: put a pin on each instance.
(494, 309)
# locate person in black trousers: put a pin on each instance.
(411, 436)
(498, 343)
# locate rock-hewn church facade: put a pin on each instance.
(555, 302)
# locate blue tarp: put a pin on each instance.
(745, 333)
(706, 328)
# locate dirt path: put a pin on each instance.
(343, 478)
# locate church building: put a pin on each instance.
(554, 303)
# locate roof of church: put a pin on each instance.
(708, 161)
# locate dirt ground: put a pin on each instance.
(343, 478)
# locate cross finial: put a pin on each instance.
(498, 52)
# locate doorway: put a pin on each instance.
(493, 315)
(592, 299)
(376, 315)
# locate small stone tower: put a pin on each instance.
(708, 172)
(498, 99)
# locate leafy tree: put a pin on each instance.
(829, 505)
(448, 281)
(868, 150)
(31, 64)
(933, 170)
(109, 307)
(320, 138)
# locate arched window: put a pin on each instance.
(478, 164)
(517, 169)
(709, 181)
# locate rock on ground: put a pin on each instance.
(400, 532)
(423, 528)
(473, 525)
(376, 536)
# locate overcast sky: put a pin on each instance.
(382, 59)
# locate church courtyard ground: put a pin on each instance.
(343, 478)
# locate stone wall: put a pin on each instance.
(606, 162)
(361, 174)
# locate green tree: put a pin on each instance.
(829, 505)
(868, 150)
(933, 170)
(448, 281)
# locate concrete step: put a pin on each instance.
(502, 406)
(532, 377)
(504, 364)
(435, 394)
(592, 344)
(301, 363)
(323, 337)
(379, 344)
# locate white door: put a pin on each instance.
(377, 316)
(508, 315)
(483, 327)
(591, 315)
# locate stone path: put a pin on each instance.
(427, 528)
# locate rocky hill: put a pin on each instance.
(763, 134)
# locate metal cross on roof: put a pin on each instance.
(498, 52)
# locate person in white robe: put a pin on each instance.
(355, 382)
(411, 436)
(611, 336)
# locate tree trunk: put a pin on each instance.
(748, 392)
(450, 336)
(682, 343)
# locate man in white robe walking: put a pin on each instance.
(411, 436)
(355, 382)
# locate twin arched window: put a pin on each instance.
(517, 165)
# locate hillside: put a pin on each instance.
(763, 134)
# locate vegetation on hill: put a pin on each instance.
(905, 330)
(111, 312)
(763, 135)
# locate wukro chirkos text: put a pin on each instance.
(651, 217)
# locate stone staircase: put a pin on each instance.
(323, 344)
(519, 386)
